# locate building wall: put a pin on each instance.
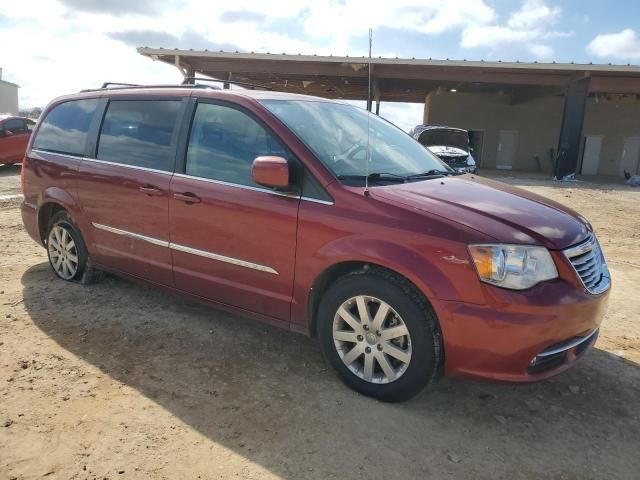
(8, 98)
(616, 118)
(538, 122)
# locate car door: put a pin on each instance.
(4, 144)
(232, 241)
(14, 139)
(124, 189)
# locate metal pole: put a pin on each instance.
(369, 85)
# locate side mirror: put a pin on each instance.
(270, 172)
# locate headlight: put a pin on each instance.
(513, 266)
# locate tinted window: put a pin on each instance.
(224, 142)
(139, 133)
(15, 125)
(311, 188)
(64, 129)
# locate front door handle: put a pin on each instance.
(151, 190)
(187, 197)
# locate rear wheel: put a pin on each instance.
(63, 252)
(380, 335)
(67, 251)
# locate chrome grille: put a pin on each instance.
(588, 262)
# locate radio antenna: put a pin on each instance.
(368, 155)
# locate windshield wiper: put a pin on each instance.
(376, 177)
(430, 174)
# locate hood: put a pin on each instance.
(452, 137)
(506, 213)
(447, 151)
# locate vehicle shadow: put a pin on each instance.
(268, 395)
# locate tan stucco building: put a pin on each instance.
(523, 135)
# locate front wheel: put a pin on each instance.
(380, 335)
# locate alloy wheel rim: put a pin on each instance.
(63, 253)
(371, 339)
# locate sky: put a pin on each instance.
(54, 47)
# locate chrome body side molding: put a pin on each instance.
(222, 258)
(185, 249)
(125, 233)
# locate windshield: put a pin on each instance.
(337, 135)
(445, 138)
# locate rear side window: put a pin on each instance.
(223, 143)
(139, 133)
(64, 129)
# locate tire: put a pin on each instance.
(414, 358)
(67, 251)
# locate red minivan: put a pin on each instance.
(319, 217)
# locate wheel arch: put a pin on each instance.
(45, 212)
(53, 200)
(347, 267)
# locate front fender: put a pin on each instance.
(399, 258)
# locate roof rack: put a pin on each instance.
(188, 82)
(108, 84)
(251, 86)
(132, 86)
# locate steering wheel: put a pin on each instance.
(355, 151)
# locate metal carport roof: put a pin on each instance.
(395, 79)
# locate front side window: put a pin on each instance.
(64, 129)
(343, 137)
(15, 126)
(139, 133)
(224, 142)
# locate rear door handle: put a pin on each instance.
(151, 190)
(187, 197)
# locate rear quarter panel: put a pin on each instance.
(49, 178)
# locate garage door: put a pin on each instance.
(630, 155)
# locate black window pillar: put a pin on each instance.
(575, 102)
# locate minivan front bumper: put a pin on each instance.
(520, 336)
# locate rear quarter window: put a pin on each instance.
(64, 129)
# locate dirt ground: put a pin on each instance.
(118, 380)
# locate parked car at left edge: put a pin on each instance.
(14, 137)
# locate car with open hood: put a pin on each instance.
(318, 217)
(450, 145)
